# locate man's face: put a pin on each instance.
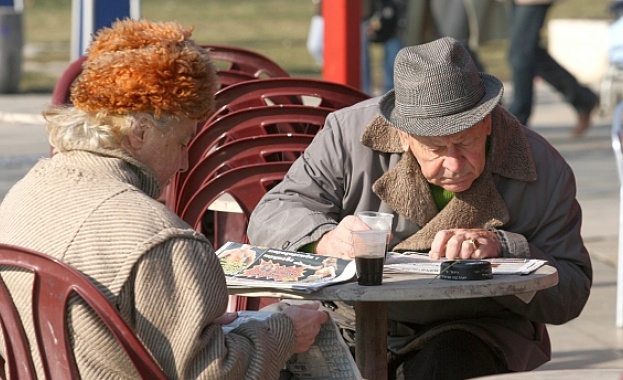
(452, 162)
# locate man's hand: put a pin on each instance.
(465, 244)
(307, 320)
(339, 242)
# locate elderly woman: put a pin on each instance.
(93, 205)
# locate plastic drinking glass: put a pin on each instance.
(377, 220)
(381, 221)
(370, 246)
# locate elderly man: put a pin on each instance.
(452, 165)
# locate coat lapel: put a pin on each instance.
(407, 192)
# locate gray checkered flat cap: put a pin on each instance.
(438, 90)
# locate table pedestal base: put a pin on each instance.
(371, 341)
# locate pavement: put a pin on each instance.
(590, 341)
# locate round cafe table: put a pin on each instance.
(371, 303)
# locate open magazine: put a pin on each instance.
(416, 262)
(247, 265)
(328, 358)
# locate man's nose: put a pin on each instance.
(453, 161)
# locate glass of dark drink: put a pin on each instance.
(377, 221)
(369, 248)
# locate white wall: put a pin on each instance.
(580, 45)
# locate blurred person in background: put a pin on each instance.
(529, 59)
(471, 22)
(383, 24)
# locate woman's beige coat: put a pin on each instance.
(97, 212)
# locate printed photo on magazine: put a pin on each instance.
(255, 266)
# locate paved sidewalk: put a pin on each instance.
(592, 340)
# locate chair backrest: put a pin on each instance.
(235, 58)
(246, 184)
(241, 152)
(54, 283)
(290, 90)
(256, 121)
(62, 89)
(229, 77)
(250, 122)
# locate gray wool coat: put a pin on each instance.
(527, 193)
(97, 211)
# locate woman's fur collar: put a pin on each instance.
(407, 192)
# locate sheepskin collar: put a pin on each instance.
(407, 192)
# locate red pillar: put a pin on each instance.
(342, 42)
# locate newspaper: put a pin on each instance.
(328, 358)
(416, 262)
(247, 265)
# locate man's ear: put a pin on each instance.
(489, 124)
(404, 140)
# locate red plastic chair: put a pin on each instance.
(245, 151)
(246, 184)
(54, 283)
(229, 77)
(235, 58)
(62, 90)
(271, 91)
(256, 121)
(251, 122)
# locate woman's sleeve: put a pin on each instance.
(178, 289)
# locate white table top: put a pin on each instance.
(225, 203)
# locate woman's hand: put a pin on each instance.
(226, 318)
(307, 320)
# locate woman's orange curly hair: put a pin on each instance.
(145, 66)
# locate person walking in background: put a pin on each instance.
(383, 23)
(615, 35)
(450, 19)
(394, 24)
(315, 35)
(471, 22)
(528, 58)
